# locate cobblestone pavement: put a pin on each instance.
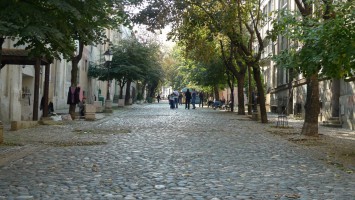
(153, 152)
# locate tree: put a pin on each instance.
(90, 29)
(51, 28)
(132, 61)
(171, 64)
(315, 52)
(35, 25)
(152, 71)
(234, 20)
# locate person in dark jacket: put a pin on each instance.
(73, 95)
(200, 95)
(188, 98)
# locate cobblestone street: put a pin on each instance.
(152, 152)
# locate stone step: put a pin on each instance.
(333, 125)
(332, 122)
(333, 119)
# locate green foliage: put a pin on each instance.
(150, 99)
(132, 61)
(98, 71)
(136, 60)
(171, 64)
(51, 28)
(139, 96)
(325, 46)
(38, 25)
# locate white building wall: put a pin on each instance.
(17, 82)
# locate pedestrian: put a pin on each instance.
(176, 98)
(193, 99)
(188, 98)
(158, 98)
(171, 101)
(200, 95)
(180, 98)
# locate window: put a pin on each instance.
(283, 3)
(284, 43)
(265, 10)
(270, 5)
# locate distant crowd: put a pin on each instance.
(189, 99)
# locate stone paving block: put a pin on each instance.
(167, 154)
(90, 116)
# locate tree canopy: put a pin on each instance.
(132, 61)
(319, 45)
(51, 28)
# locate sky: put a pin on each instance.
(161, 34)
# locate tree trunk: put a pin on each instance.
(232, 100)
(259, 85)
(241, 106)
(230, 82)
(152, 91)
(1, 42)
(121, 92)
(143, 88)
(128, 92)
(74, 83)
(310, 125)
(290, 93)
(46, 90)
(216, 93)
(335, 97)
(36, 89)
(74, 73)
(250, 89)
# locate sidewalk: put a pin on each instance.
(340, 133)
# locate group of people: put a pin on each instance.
(190, 97)
(175, 99)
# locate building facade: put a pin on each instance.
(286, 90)
(17, 82)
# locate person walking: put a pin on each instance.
(158, 98)
(193, 99)
(188, 98)
(200, 95)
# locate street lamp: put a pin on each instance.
(108, 58)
